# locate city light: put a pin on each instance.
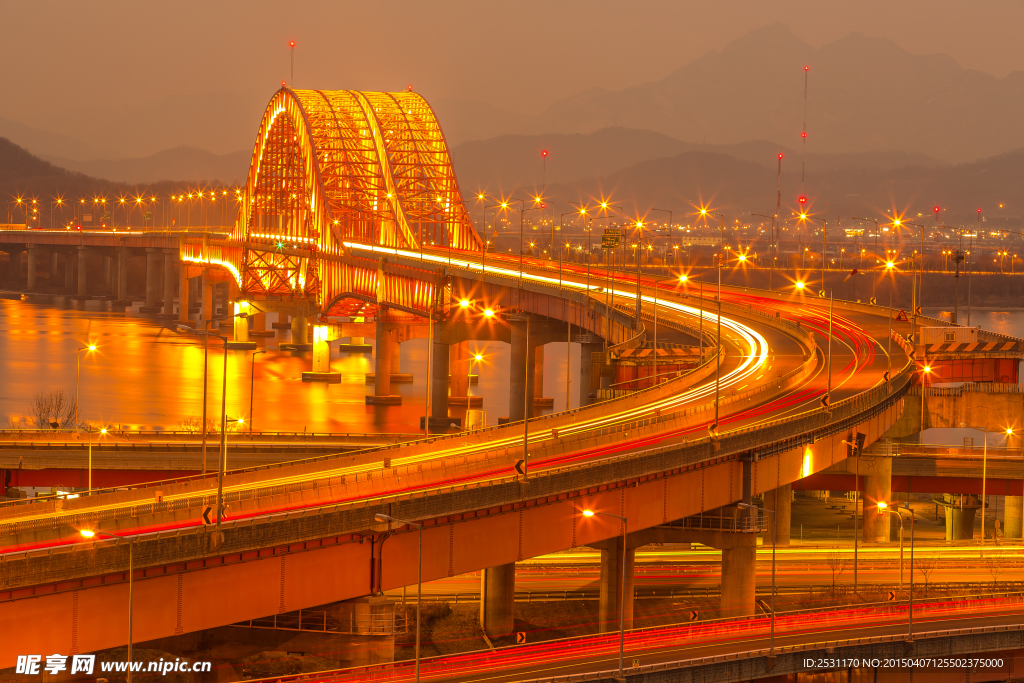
(488, 313)
(88, 533)
(588, 513)
(464, 303)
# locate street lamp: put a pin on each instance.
(381, 517)
(824, 241)
(875, 221)
(252, 385)
(718, 345)
(771, 270)
(775, 531)
(223, 417)
(92, 533)
(889, 265)
(882, 508)
(78, 376)
(622, 581)
(680, 280)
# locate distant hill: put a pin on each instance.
(511, 163)
(184, 163)
(865, 94)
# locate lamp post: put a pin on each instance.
(718, 345)
(681, 279)
(888, 353)
(252, 385)
(91, 533)
(984, 471)
(669, 228)
(875, 221)
(771, 270)
(622, 581)
(78, 374)
(882, 508)
(223, 418)
(824, 241)
(775, 530)
(380, 517)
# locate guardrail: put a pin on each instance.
(971, 387)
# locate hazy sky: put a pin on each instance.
(71, 66)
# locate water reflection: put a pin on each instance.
(144, 375)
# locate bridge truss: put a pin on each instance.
(337, 167)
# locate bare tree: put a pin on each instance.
(52, 410)
(995, 569)
(193, 424)
(926, 565)
(837, 564)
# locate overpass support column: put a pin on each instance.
(586, 369)
(960, 514)
(439, 372)
(82, 269)
(122, 277)
(877, 474)
(171, 266)
(300, 334)
(739, 578)
(32, 249)
(152, 281)
(611, 585)
(497, 600)
(780, 501)
(539, 400)
(382, 362)
(521, 373)
(54, 270)
(1013, 507)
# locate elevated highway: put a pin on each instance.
(303, 533)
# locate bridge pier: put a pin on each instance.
(31, 267)
(780, 502)
(184, 295)
(539, 400)
(611, 584)
(69, 271)
(240, 326)
(961, 510)
(1013, 507)
(207, 313)
(439, 371)
(876, 472)
(108, 279)
(83, 268)
(497, 600)
(170, 275)
(383, 363)
(122, 278)
(152, 281)
(739, 580)
(321, 358)
(587, 393)
(300, 330)
(521, 372)
(54, 268)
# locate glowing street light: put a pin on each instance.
(622, 579)
(92, 533)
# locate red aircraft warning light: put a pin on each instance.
(802, 200)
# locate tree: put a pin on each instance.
(926, 565)
(837, 564)
(52, 410)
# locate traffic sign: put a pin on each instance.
(901, 316)
(694, 615)
(917, 311)
(206, 515)
(520, 466)
(874, 301)
(890, 596)
(520, 637)
(821, 293)
(610, 239)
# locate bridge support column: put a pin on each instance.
(611, 585)
(54, 269)
(31, 267)
(69, 271)
(521, 373)
(82, 294)
(113, 276)
(184, 295)
(460, 363)
(171, 266)
(440, 369)
(961, 510)
(739, 580)
(241, 309)
(300, 331)
(152, 281)
(780, 501)
(586, 370)
(321, 358)
(877, 474)
(539, 400)
(122, 278)
(207, 314)
(1013, 507)
(382, 363)
(497, 600)
(108, 276)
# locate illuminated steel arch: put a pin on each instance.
(336, 167)
(331, 168)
